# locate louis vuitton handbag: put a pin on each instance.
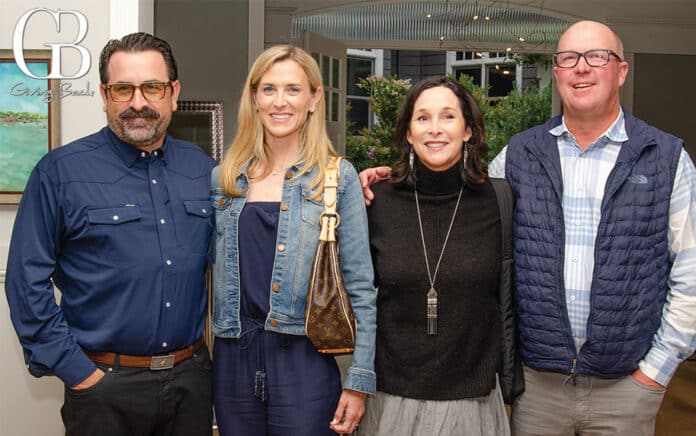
(329, 317)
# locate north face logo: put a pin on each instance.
(638, 179)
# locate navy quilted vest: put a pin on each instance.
(632, 264)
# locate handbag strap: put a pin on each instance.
(331, 186)
(330, 219)
(503, 194)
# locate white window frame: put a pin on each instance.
(377, 58)
(482, 62)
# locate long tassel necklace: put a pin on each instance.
(432, 296)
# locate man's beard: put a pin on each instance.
(140, 128)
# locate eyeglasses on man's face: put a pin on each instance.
(122, 92)
(594, 58)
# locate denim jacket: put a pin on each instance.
(298, 233)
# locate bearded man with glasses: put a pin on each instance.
(119, 222)
(604, 243)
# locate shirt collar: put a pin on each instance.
(129, 154)
(615, 133)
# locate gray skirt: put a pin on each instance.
(391, 415)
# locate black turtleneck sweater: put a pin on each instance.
(462, 359)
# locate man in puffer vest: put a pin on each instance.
(605, 252)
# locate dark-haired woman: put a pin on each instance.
(435, 235)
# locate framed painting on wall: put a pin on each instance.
(29, 119)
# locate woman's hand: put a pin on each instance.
(350, 410)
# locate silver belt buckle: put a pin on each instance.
(162, 362)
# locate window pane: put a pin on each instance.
(358, 68)
(328, 105)
(325, 69)
(358, 115)
(474, 72)
(500, 80)
(335, 72)
(334, 106)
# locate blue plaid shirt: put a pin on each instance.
(585, 173)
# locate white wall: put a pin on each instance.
(30, 406)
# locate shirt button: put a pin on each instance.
(162, 221)
(572, 298)
(577, 222)
(169, 262)
(276, 288)
(288, 175)
(274, 322)
(164, 345)
(281, 247)
(143, 154)
(575, 259)
(580, 188)
(204, 211)
(115, 217)
(154, 182)
(168, 304)
(283, 207)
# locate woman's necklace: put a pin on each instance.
(431, 296)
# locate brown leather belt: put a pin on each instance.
(155, 363)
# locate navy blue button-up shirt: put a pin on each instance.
(123, 234)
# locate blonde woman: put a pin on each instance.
(268, 379)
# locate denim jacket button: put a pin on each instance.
(281, 247)
(283, 207)
(276, 288)
(288, 175)
(274, 323)
(221, 202)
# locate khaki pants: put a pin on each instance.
(677, 415)
(550, 406)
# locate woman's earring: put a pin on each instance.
(465, 154)
(410, 159)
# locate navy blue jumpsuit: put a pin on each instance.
(267, 383)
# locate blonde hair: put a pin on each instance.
(249, 147)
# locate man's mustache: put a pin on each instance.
(145, 113)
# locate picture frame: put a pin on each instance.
(29, 119)
(201, 123)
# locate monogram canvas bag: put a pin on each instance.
(329, 317)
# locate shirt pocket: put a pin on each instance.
(114, 215)
(114, 232)
(312, 209)
(197, 225)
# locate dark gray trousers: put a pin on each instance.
(141, 402)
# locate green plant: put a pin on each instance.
(505, 117)
(373, 146)
(516, 113)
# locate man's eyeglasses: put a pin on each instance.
(122, 92)
(594, 58)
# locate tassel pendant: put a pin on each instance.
(432, 312)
